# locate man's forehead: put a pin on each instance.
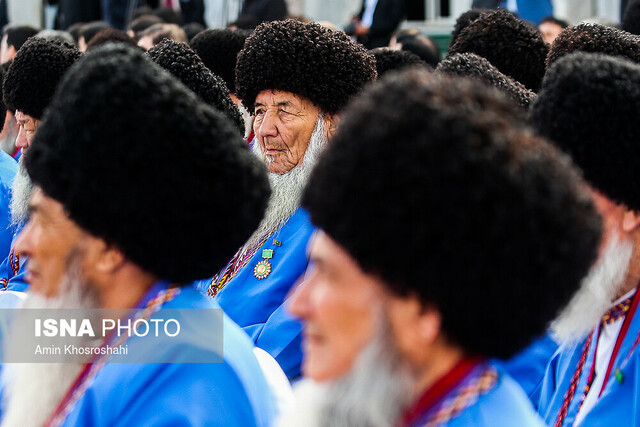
(24, 118)
(275, 96)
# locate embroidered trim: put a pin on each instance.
(81, 384)
(464, 398)
(14, 261)
(239, 260)
(618, 311)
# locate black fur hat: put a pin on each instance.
(476, 67)
(463, 21)
(513, 46)
(391, 59)
(494, 223)
(595, 38)
(185, 65)
(589, 106)
(219, 50)
(307, 59)
(35, 73)
(140, 161)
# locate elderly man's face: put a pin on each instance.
(27, 127)
(48, 239)
(338, 304)
(283, 126)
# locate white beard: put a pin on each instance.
(375, 393)
(287, 188)
(596, 294)
(34, 390)
(20, 194)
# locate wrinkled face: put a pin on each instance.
(27, 127)
(283, 126)
(549, 31)
(338, 304)
(48, 240)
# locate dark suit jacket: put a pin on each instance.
(386, 19)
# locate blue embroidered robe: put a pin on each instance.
(504, 405)
(258, 305)
(14, 282)
(231, 393)
(619, 404)
(8, 170)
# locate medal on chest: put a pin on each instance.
(263, 268)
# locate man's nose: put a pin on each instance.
(268, 126)
(21, 139)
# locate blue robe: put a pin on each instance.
(618, 404)
(8, 170)
(259, 306)
(14, 282)
(231, 393)
(528, 367)
(504, 405)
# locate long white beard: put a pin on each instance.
(597, 291)
(34, 390)
(375, 393)
(20, 194)
(287, 188)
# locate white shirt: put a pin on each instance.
(367, 16)
(606, 343)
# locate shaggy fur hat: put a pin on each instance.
(392, 59)
(307, 59)
(494, 223)
(589, 106)
(463, 21)
(510, 44)
(181, 61)
(631, 17)
(476, 67)
(35, 73)
(219, 50)
(595, 38)
(177, 211)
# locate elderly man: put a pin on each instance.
(97, 238)
(28, 88)
(294, 78)
(593, 378)
(495, 228)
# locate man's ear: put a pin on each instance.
(631, 220)
(330, 125)
(108, 258)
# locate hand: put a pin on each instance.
(360, 29)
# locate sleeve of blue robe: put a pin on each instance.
(528, 367)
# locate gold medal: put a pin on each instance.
(263, 268)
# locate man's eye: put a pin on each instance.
(259, 112)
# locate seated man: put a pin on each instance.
(458, 247)
(129, 237)
(589, 106)
(28, 88)
(294, 78)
